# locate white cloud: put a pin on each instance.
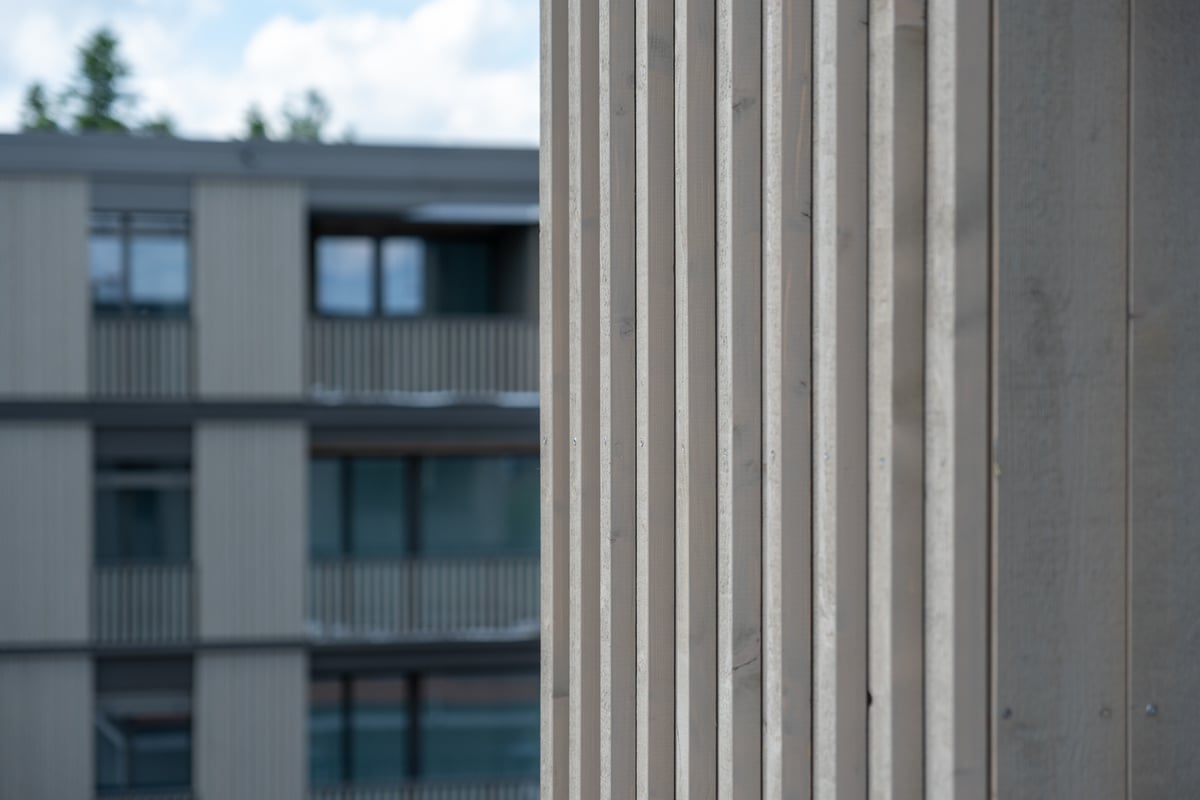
(449, 71)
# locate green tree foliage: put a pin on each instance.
(99, 84)
(306, 122)
(162, 125)
(256, 124)
(37, 113)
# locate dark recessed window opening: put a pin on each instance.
(373, 507)
(143, 512)
(143, 726)
(139, 263)
(389, 728)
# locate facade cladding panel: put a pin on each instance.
(43, 289)
(45, 532)
(250, 489)
(250, 296)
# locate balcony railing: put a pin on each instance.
(468, 598)
(472, 356)
(145, 795)
(142, 604)
(511, 790)
(141, 358)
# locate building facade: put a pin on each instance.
(268, 470)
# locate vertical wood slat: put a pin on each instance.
(1164, 643)
(1061, 206)
(896, 402)
(839, 418)
(655, 399)
(787, 400)
(583, 403)
(739, 397)
(553, 384)
(695, 400)
(618, 413)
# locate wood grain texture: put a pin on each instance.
(583, 288)
(956, 398)
(787, 399)
(655, 135)
(1164, 641)
(839, 399)
(618, 404)
(896, 402)
(1060, 451)
(554, 381)
(739, 398)
(695, 401)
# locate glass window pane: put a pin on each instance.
(104, 263)
(344, 275)
(325, 508)
(479, 726)
(475, 505)
(379, 729)
(158, 270)
(379, 498)
(144, 740)
(143, 525)
(464, 277)
(326, 727)
(403, 276)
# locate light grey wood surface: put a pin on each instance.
(1164, 360)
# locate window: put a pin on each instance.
(139, 262)
(143, 725)
(388, 728)
(361, 276)
(436, 505)
(143, 512)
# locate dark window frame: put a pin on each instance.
(345, 678)
(172, 474)
(415, 463)
(378, 231)
(125, 230)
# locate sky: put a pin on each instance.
(437, 71)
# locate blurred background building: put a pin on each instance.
(268, 470)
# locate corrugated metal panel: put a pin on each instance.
(43, 287)
(250, 288)
(45, 532)
(45, 727)
(250, 528)
(250, 726)
(141, 358)
(493, 790)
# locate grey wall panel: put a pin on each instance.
(251, 269)
(251, 530)
(1164, 550)
(43, 286)
(46, 727)
(250, 725)
(45, 532)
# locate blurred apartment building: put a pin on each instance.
(268, 473)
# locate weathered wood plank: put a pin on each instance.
(695, 401)
(839, 399)
(583, 199)
(739, 398)
(655, 136)
(896, 401)
(787, 399)
(1164, 641)
(618, 404)
(554, 379)
(1060, 450)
